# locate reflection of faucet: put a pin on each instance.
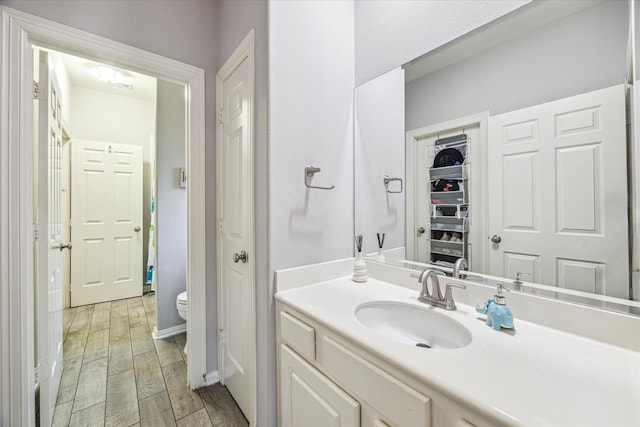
(517, 284)
(435, 297)
(461, 263)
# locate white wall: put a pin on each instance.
(311, 81)
(389, 33)
(171, 203)
(379, 151)
(310, 123)
(104, 116)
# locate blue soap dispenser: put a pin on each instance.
(498, 313)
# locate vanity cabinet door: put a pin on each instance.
(309, 399)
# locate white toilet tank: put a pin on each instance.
(181, 304)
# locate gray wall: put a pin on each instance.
(581, 53)
(389, 33)
(171, 202)
(235, 19)
(184, 30)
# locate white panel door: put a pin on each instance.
(309, 399)
(50, 289)
(106, 221)
(558, 193)
(237, 279)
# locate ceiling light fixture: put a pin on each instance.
(112, 77)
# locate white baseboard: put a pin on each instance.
(212, 378)
(169, 332)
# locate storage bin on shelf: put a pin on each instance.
(460, 225)
(458, 211)
(447, 248)
(449, 200)
(458, 172)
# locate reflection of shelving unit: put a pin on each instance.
(449, 200)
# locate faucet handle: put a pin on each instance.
(448, 295)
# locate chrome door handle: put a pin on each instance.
(65, 246)
(421, 230)
(136, 229)
(241, 257)
(496, 239)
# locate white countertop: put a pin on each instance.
(537, 376)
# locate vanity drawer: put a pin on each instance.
(401, 404)
(298, 335)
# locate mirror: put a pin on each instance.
(511, 143)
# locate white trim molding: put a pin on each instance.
(168, 332)
(212, 378)
(19, 31)
(16, 227)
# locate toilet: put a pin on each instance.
(181, 305)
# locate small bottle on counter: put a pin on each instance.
(359, 265)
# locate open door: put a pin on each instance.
(49, 243)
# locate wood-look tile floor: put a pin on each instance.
(116, 374)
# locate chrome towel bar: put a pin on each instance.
(309, 171)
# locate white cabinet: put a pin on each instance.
(308, 398)
(322, 382)
(400, 403)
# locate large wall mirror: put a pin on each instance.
(515, 149)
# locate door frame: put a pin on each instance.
(20, 30)
(411, 152)
(244, 51)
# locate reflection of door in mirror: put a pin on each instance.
(557, 172)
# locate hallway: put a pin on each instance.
(116, 374)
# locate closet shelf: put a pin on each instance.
(448, 198)
(449, 209)
(459, 172)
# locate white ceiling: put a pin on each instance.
(80, 72)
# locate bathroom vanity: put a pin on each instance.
(351, 354)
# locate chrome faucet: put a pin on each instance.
(435, 294)
(435, 297)
(461, 263)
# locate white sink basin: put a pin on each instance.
(413, 325)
